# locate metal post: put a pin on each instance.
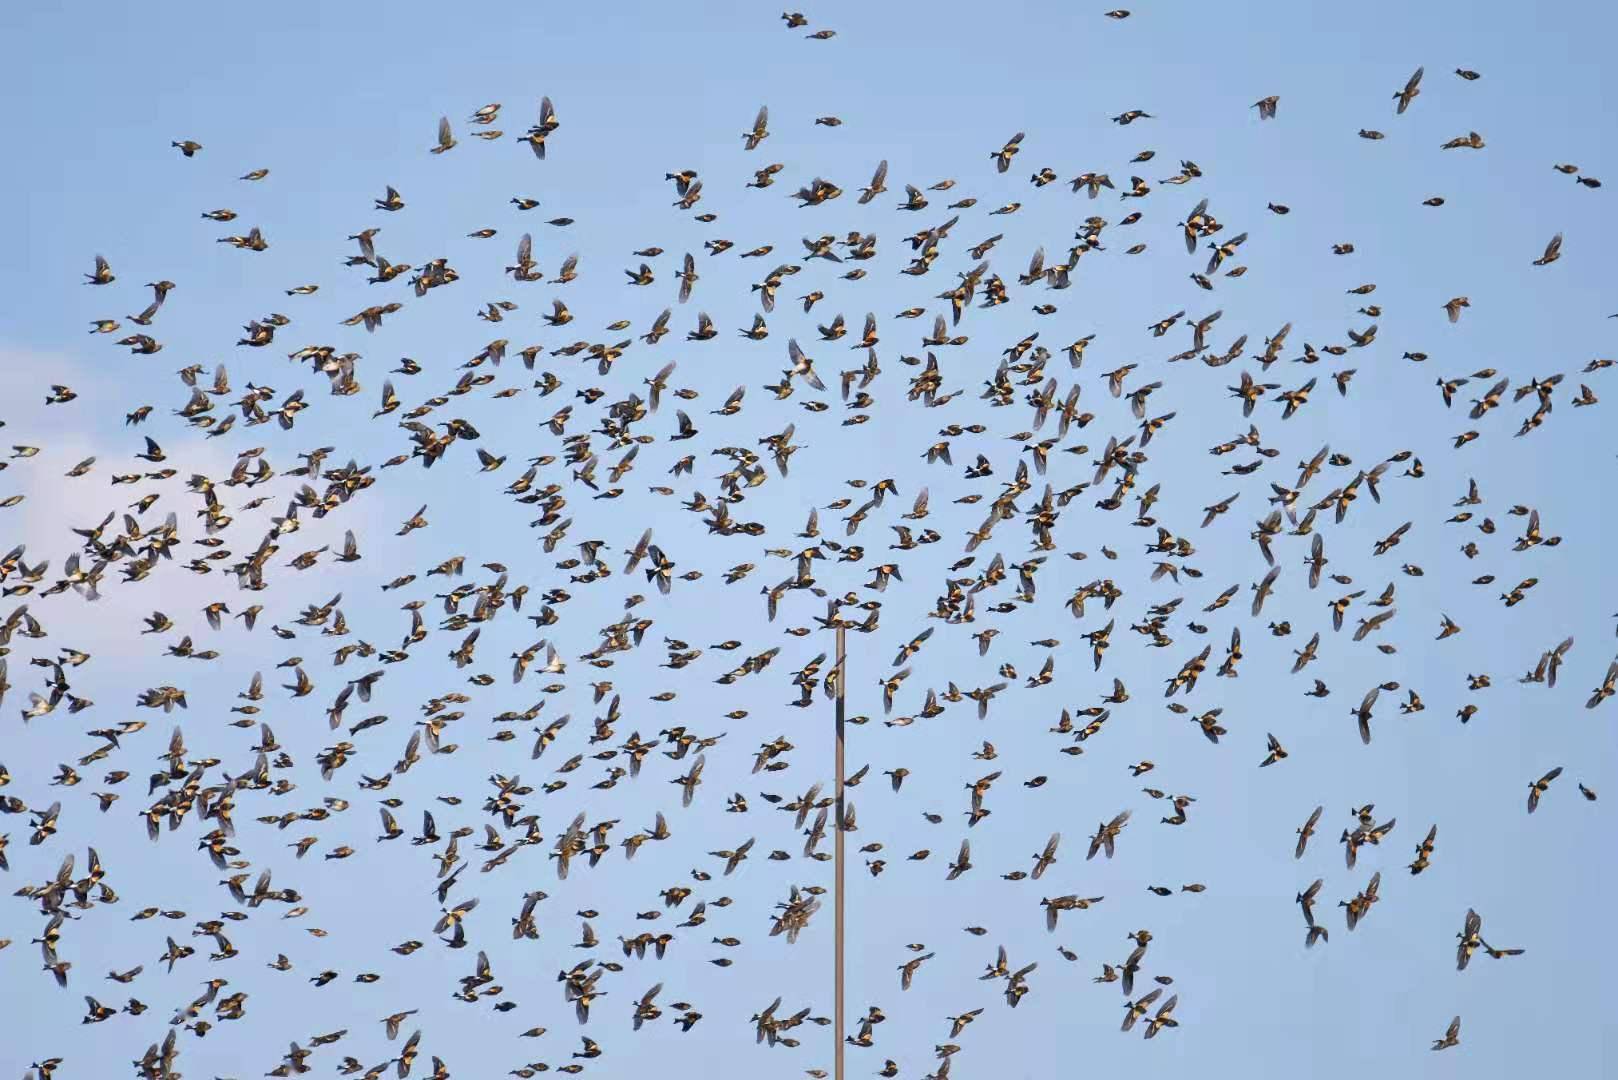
(842, 699)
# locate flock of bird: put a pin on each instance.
(1007, 472)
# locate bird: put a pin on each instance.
(1002, 157)
(1553, 251)
(1307, 830)
(1411, 89)
(760, 129)
(446, 139)
(1540, 786)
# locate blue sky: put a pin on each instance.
(339, 103)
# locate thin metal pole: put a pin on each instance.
(842, 699)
